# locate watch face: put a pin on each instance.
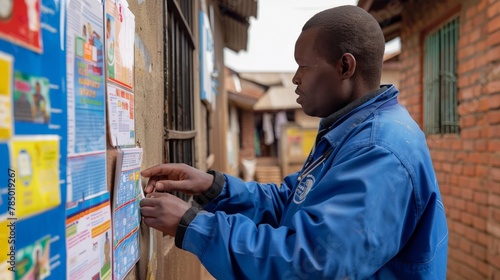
(6, 7)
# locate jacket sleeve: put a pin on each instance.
(262, 203)
(351, 223)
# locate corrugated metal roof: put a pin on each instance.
(236, 34)
(278, 98)
(281, 94)
(236, 15)
(244, 8)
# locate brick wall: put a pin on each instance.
(468, 164)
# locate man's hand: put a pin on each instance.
(163, 211)
(177, 177)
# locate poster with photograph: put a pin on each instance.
(88, 234)
(120, 36)
(86, 168)
(20, 23)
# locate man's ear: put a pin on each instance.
(348, 64)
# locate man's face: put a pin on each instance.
(318, 82)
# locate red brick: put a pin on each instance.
(471, 208)
(481, 145)
(494, 200)
(495, 160)
(481, 198)
(484, 269)
(494, 131)
(482, 238)
(495, 214)
(492, 87)
(466, 218)
(482, 170)
(493, 117)
(493, 39)
(494, 101)
(492, 54)
(479, 223)
(493, 10)
(494, 145)
(465, 245)
(495, 175)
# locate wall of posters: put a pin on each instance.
(32, 139)
(54, 59)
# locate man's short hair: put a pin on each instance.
(350, 29)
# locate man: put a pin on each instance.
(366, 204)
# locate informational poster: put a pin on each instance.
(32, 139)
(36, 162)
(120, 36)
(88, 209)
(121, 116)
(126, 216)
(86, 168)
(88, 236)
(6, 64)
(20, 23)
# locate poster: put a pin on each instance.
(208, 83)
(88, 210)
(86, 167)
(33, 260)
(121, 116)
(126, 216)
(88, 235)
(36, 162)
(120, 36)
(6, 62)
(20, 23)
(33, 145)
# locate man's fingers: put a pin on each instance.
(169, 185)
(162, 169)
(147, 211)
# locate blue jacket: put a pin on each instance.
(368, 207)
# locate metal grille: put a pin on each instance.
(179, 92)
(440, 80)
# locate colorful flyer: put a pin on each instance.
(33, 261)
(126, 217)
(20, 23)
(6, 62)
(121, 116)
(120, 36)
(36, 161)
(85, 77)
(88, 234)
(86, 166)
(31, 98)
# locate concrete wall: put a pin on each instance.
(468, 164)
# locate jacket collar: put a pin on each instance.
(356, 112)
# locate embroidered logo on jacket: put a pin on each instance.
(303, 188)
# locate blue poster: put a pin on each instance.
(38, 104)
